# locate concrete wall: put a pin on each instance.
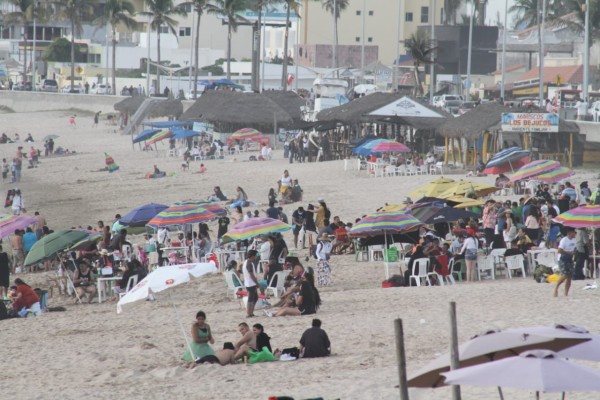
(37, 101)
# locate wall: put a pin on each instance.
(37, 101)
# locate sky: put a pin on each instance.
(495, 6)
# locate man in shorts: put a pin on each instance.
(250, 282)
(566, 250)
(298, 221)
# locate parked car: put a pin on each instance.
(49, 85)
(594, 111)
(466, 106)
(20, 86)
(77, 88)
(451, 102)
(101, 88)
(437, 101)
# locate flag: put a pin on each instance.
(290, 79)
(111, 166)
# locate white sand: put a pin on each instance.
(91, 351)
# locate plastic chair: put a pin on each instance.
(360, 252)
(374, 251)
(547, 258)
(419, 271)
(279, 287)
(485, 264)
(130, 284)
(515, 263)
(231, 285)
(457, 267)
(126, 252)
(499, 262)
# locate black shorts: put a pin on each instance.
(208, 359)
(252, 294)
(297, 229)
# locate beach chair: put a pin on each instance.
(457, 267)
(485, 263)
(231, 285)
(360, 252)
(547, 258)
(515, 263)
(419, 271)
(279, 286)
(376, 252)
(131, 282)
(499, 263)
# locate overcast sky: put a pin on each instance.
(495, 6)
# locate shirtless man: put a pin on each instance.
(38, 226)
(16, 243)
(246, 343)
(222, 357)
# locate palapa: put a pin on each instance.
(159, 107)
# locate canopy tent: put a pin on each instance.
(168, 124)
(145, 135)
(183, 133)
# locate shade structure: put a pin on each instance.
(255, 227)
(462, 199)
(470, 204)
(164, 278)
(433, 188)
(434, 200)
(463, 188)
(179, 133)
(580, 217)
(157, 137)
(10, 223)
(534, 168)
(181, 215)
(556, 175)
(141, 215)
(436, 215)
(145, 135)
(52, 244)
(387, 222)
(539, 370)
(488, 346)
(508, 160)
(390, 146)
(366, 148)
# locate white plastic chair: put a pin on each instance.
(280, 276)
(130, 284)
(231, 286)
(547, 258)
(499, 262)
(419, 271)
(485, 264)
(376, 250)
(126, 252)
(515, 263)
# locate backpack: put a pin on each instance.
(540, 272)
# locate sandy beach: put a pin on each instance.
(90, 351)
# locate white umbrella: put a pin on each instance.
(539, 370)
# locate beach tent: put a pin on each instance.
(183, 133)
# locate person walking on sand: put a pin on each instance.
(96, 119)
(250, 282)
(72, 121)
(566, 250)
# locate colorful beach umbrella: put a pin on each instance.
(581, 217)
(508, 160)
(141, 215)
(181, 215)
(390, 146)
(245, 134)
(254, 227)
(111, 165)
(383, 223)
(50, 245)
(10, 223)
(366, 148)
(556, 175)
(210, 206)
(534, 168)
(157, 137)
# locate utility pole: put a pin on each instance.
(362, 47)
(397, 61)
(469, 51)
(432, 65)
(541, 56)
(335, 16)
(33, 52)
(502, 94)
(586, 51)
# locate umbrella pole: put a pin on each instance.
(500, 393)
(537, 395)
(454, 355)
(69, 280)
(177, 316)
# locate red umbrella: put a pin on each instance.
(390, 147)
(508, 167)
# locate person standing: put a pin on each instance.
(323, 253)
(469, 249)
(490, 217)
(582, 241)
(566, 250)
(298, 221)
(250, 282)
(292, 150)
(315, 342)
(582, 109)
(16, 243)
(4, 274)
(96, 119)
(18, 204)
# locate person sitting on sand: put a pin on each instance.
(292, 285)
(218, 195)
(307, 302)
(201, 337)
(246, 343)
(222, 357)
(241, 199)
(82, 279)
(26, 298)
(315, 342)
(262, 339)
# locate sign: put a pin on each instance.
(275, 14)
(530, 122)
(405, 107)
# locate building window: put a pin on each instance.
(358, 12)
(424, 15)
(164, 29)
(185, 31)
(408, 17)
(370, 13)
(370, 40)
(357, 39)
(188, 8)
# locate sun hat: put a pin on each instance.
(325, 236)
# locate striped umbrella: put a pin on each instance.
(384, 223)
(507, 160)
(245, 133)
(181, 215)
(10, 223)
(215, 208)
(366, 148)
(556, 175)
(157, 137)
(390, 146)
(534, 168)
(254, 227)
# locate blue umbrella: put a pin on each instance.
(365, 149)
(507, 160)
(141, 215)
(145, 135)
(183, 133)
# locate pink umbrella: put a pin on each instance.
(9, 223)
(556, 175)
(390, 147)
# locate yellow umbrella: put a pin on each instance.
(392, 207)
(465, 187)
(462, 199)
(469, 204)
(433, 188)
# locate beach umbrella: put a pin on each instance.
(470, 204)
(387, 222)
(462, 188)
(488, 346)
(91, 239)
(145, 135)
(507, 160)
(390, 146)
(48, 137)
(254, 227)
(210, 206)
(180, 133)
(111, 165)
(245, 134)
(555, 175)
(366, 148)
(10, 223)
(433, 188)
(141, 215)
(164, 278)
(534, 168)
(163, 134)
(181, 215)
(436, 215)
(50, 245)
(434, 200)
(539, 370)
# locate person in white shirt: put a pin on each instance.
(582, 109)
(18, 205)
(566, 250)
(250, 282)
(323, 252)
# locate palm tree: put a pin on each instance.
(230, 10)
(420, 46)
(291, 5)
(75, 11)
(117, 12)
(199, 6)
(335, 7)
(525, 13)
(23, 15)
(160, 12)
(578, 23)
(450, 9)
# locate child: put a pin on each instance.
(72, 121)
(202, 169)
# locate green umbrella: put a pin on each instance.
(49, 246)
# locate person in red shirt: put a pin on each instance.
(342, 241)
(26, 298)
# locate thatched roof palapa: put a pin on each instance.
(207, 103)
(159, 108)
(289, 101)
(488, 116)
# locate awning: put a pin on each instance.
(167, 124)
(183, 133)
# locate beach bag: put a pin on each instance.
(3, 311)
(261, 356)
(291, 351)
(540, 273)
